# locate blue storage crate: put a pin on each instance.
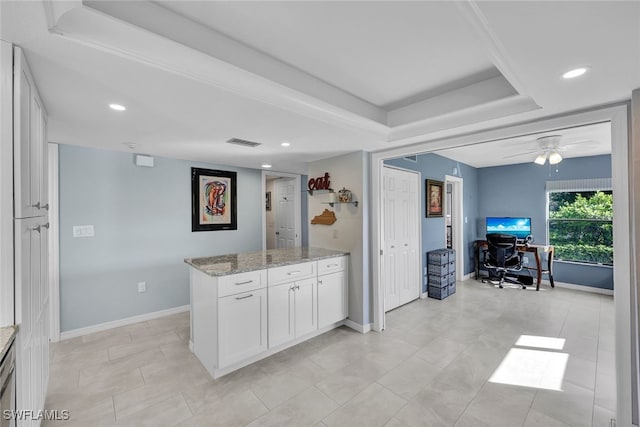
(452, 267)
(452, 255)
(438, 257)
(438, 281)
(437, 269)
(438, 293)
(451, 278)
(452, 288)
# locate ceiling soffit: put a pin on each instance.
(148, 33)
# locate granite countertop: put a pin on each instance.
(7, 335)
(223, 265)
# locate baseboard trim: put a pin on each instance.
(122, 322)
(363, 329)
(583, 288)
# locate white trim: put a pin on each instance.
(458, 209)
(363, 329)
(297, 208)
(122, 322)
(583, 288)
(468, 276)
(54, 244)
(618, 115)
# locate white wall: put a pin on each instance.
(350, 231)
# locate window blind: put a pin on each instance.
(591, 184)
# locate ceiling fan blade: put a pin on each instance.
(524, 153)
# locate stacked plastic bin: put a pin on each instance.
(441, 271)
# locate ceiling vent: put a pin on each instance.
(244, 143)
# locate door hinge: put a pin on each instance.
(380, 251)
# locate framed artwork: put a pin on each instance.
(268, 201)
(434, 196)
(213, 200)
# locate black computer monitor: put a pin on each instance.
(520, 227)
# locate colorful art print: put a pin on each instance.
(213, 200)
(433, 198)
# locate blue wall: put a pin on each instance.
(519, 190)
(142, 220)
(433, 166)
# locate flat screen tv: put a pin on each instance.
(520, 227)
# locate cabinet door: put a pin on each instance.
(331, 298)
(281, 316)
(306, 311)
(242, 326)
(30, 143)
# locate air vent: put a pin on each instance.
(243, 142)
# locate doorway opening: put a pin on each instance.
(281, 215)
(454, 219)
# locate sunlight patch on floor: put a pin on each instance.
(541, 342)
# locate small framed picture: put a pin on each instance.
(433, 197)
(213, 200)
(267, 201)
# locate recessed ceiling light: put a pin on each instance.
(577, 72)
(117, 107)
(285, 144)
(266, 165)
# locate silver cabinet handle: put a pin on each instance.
(37, 205)
(406, 244)
(39, 227)
(332, 265)
(244, 283)
(297, 287)
(319, 282)
(392, 246)
(46, 206)
(245, 297)
(291, 273)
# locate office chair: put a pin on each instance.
(501, 257)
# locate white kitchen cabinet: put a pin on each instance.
(30, 144)
(292, 311)
(242, 326)
(32, 313)
(242, 317)
(332, 298)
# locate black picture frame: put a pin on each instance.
(268, 201)
(213, 200)
(434, 198)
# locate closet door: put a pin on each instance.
(401, 253)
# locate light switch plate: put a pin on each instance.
(83, 231)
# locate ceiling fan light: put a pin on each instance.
(541, 159)
(555, 158)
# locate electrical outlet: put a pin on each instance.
(142, 286)
(525, 261)
(335, 233)
(83, 231)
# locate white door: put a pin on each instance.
(306, 311)
(331, 298)
(401, 260)
(32, 312)
(281, 317)
(286, 199)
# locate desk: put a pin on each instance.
(535, 249)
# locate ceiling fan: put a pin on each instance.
(550, 146)
(549, 149)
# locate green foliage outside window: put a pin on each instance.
(581, 226)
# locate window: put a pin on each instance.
(580, 220)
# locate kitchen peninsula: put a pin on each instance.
(248, 306)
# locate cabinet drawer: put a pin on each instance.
(289, 273)
(241, 282)
(331, 265)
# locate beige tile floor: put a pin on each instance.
(429, 368)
